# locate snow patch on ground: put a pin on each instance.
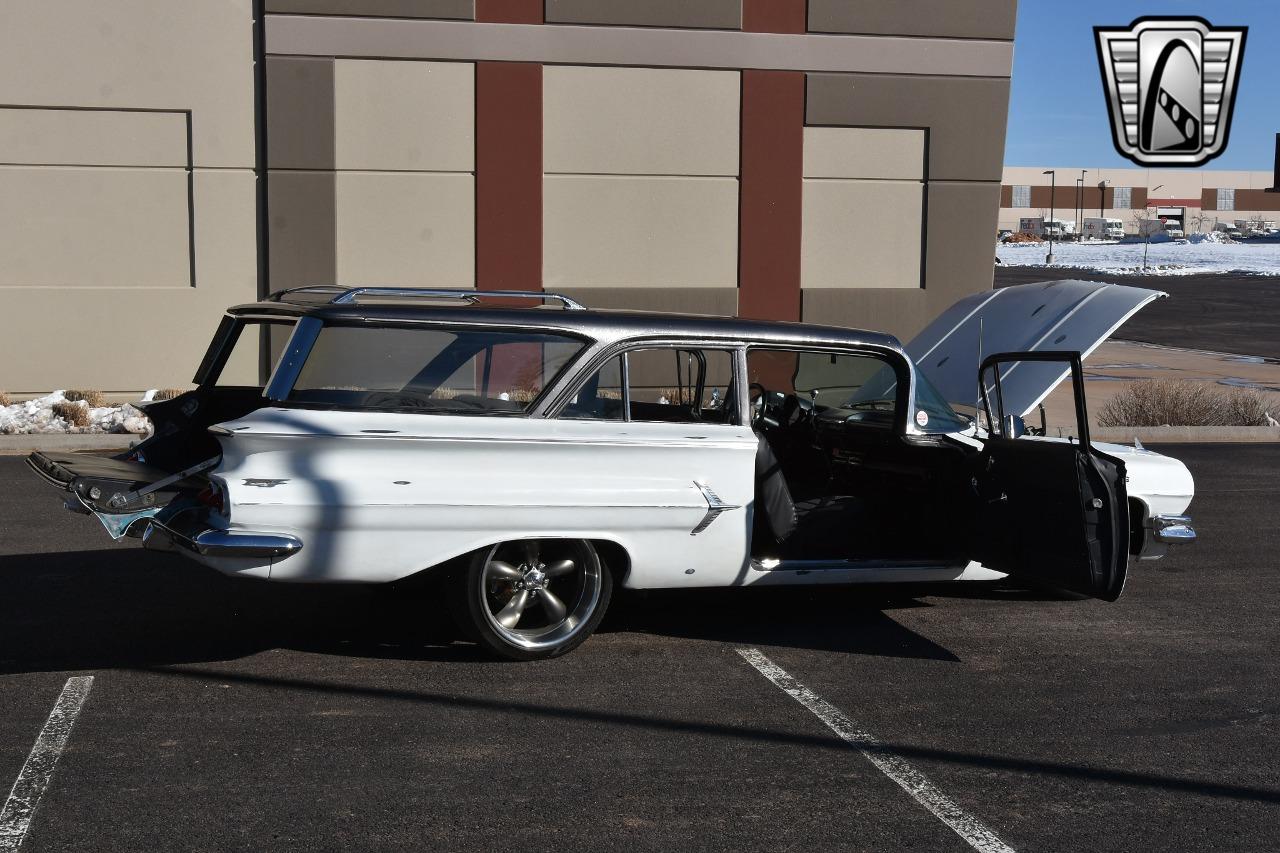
(36, 416)
(1201, 253)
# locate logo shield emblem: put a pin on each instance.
(1171, 85)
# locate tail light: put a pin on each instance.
(213, 497)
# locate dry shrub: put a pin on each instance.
(168, 393)
(1171, 402)
(93, 398)
(75, 414)
(4, 399)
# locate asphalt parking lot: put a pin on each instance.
(229, 715)
(1219, 312)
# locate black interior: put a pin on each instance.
(839, 484)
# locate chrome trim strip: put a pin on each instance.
(213, 542)
(715, 507)
(1173, 529)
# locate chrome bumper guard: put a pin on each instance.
(1173, 529)
(213, 542)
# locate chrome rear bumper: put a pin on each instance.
(1173, 529)
(214, 542)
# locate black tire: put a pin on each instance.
(531, 581)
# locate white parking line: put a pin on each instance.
(908, 778)
(36, 773)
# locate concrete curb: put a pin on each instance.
(11, 444)
(1189, 435)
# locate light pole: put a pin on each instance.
(1102, 197)
(1053, 178)
(1080, 206)
(1146, 228)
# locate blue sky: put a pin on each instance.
(1057, 113)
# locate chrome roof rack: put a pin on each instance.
(348, 295)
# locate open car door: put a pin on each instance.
(1052, 510)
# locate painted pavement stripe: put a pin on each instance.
(886, 761)
(15, 819)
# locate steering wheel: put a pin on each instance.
(796, 410)
(759, 406)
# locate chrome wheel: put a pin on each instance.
(537, 594)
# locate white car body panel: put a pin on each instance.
(378, 496)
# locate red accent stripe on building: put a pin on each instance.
(774, 16)
(770, 195)
(508, 176)
(509, 11)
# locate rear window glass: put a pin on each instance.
(431, 369)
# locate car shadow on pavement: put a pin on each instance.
(837, 619)
(122, 607)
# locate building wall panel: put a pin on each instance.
(640, 232)
(864, 152)
(861, 233)
(93, 228)
(304, 228)
(405, 228)
(407, 116)
(708, 14)
(93, 137)
(965, 116)
(300, 112)
(456, 9)
(640, 121)
(980, 19)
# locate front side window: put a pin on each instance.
(431, 368)
(857, 388)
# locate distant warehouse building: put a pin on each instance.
(835, 161)
(1190, 199)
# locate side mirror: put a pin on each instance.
(1014, 426)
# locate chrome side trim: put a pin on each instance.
(1173, 529)
(715, 507)
(213, 542)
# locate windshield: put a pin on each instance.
(431, 368)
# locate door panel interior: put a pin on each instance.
(1051, 510)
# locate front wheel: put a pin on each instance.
(534, 598)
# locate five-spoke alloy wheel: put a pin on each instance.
(534, 598)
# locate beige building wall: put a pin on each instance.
(640, 180)
(127, 208)
(863, 201)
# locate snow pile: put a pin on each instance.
(1209, 237)
(37, 416)
(1200, 253)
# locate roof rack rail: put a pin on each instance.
(348, 295)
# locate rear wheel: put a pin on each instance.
(534, 598)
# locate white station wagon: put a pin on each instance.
(539, 456)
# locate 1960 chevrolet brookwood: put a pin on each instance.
(537, 456)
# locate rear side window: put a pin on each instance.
(431, 369)
(667, 384)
